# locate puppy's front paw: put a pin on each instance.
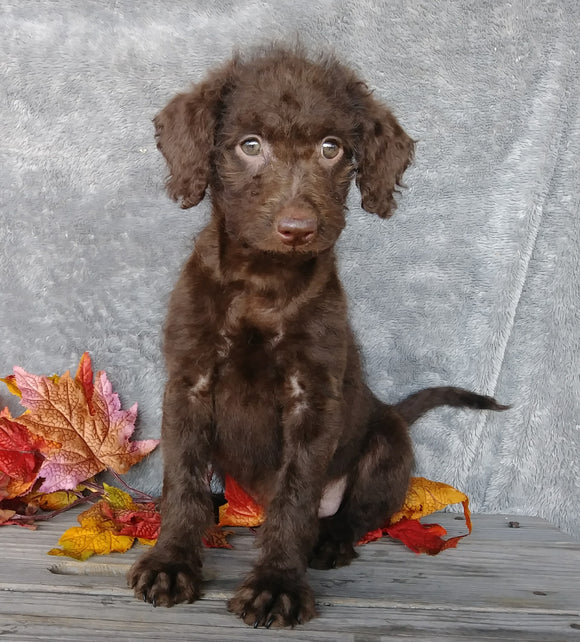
(273, 598)
(164, 581)
(329, 553)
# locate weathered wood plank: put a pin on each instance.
(506, 573)
(500, 584)
(121, 618)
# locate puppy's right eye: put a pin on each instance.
(330, 148)
(251, 146)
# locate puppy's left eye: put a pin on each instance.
(251, 146)
(330, 148)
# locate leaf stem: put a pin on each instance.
(94, 488)
(46, 516)
(132, 490)
(96, 492)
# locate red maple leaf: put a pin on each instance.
(21, 457)
(140, 520)
(422, 538)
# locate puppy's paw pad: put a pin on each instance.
(163, 582)
(273, 600)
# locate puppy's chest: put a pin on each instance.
(248, 389)
(251, 330)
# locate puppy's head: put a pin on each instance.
(278, 139)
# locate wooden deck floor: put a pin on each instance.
(501, 583)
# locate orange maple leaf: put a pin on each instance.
(6, 515)
(241, 509)
(86, 419)
(425, 497)
(215, 537)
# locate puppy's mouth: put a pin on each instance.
(275, 245)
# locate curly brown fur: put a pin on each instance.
(264, 377)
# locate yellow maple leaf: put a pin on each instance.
(117, 498)
(96, 535)
(10, 382)
(51, 501)
(425, 497)
(80, 542)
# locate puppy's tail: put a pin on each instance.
(417, 404)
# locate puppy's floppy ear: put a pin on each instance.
(185, 132)
(384, 153)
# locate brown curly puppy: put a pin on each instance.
(264, 377)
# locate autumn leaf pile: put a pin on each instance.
(75, 428)
(424, 497)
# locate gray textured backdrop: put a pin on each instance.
(474, 282)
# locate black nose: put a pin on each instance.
(296, 231)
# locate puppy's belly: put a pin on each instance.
(249, 435)
(332, 495)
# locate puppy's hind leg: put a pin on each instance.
(376, 490)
